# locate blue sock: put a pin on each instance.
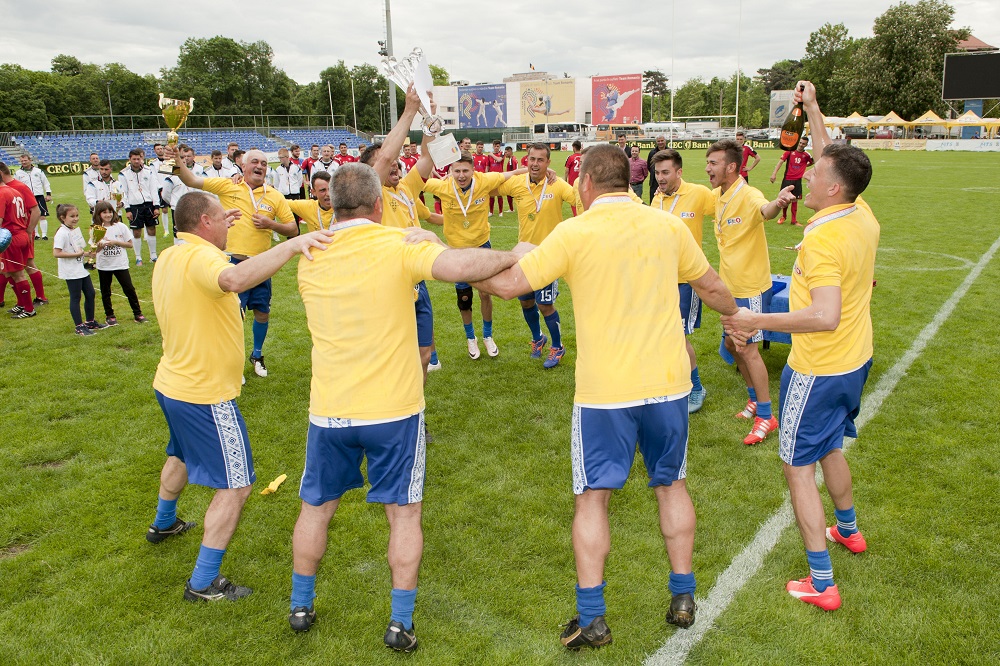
(764, 410)
(590, 602)
(470, 332)
(259, 333)
(534, 323)
(434, 357)
(166, 513)
(847, 521)
(555, 330)
(681, 583)
(487, 328)
(752, 393)
(696, 380)
(303, 590)
(724, 353)
(206, 569)
(403, 602)
(820, 568)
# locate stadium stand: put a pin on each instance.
(306, 138)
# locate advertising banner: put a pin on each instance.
(889, 144)
(482, 106)
(552, 101)
(974, 145)
(617, 99)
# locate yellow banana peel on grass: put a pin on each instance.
(274, 485)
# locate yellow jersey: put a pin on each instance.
(311, 213)
(365, 361)
(244, 238)
(691, 202)
(579, 202)
(399, 204)
(623, 261)
(539, 205)
(201, 326)
(837, 250)
(744, 263)
(469, 227)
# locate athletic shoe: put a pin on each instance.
(153, 259)
(749, 412)
(803, 590)
(855, 543)
(83, 330)
(473, 348)
(302, 618)
(431, 367)
(427, 435)
(555, 355)
(221, 588)
(795, 223)
(3, 304)
(243, 380)
(37, 301)
(696, 399)
(17, 309)
(781, 220)
(138, 263)
(761, 429)
(111, 321)
(399, 639)
(94, 325)
(595, 634)
(155, 535)
(45, 237)
(24, 314)
(258, 366)
(537, 346)
(140, 319)
(491, 347)
(682, 609)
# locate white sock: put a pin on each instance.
(137, 248)
(165, 223)
(44, 224)
(151, 242)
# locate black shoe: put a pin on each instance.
(682, 609)
(24, 314)
(220, 589)
(155, 534)
(302, 618)
(37, 301)
(17, 309)
(399, 639)
(95, 325)
(428, 439)
(595, 634)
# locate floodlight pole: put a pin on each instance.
(673, 6)
(354, 105)
(739, 36)
(329, 94)
(111, 111)
(388, 50)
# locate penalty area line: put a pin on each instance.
(747, 563)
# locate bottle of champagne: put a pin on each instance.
(793, 128)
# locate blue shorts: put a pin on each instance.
(690, 308)
(255, 298)
(425, 316)
(604, 443)
(817, 412)
(759, 304)
(211, 441)
(465, 285)
(547, 295)
(395, 452)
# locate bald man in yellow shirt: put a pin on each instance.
(632, 371)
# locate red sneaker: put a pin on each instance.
(781, 220)
(761, 429)
(749, 412)
(803, 590)
(855, 543)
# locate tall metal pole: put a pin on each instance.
(329, 94)
(739, 36)
(111, 111)
(388, 49)
(354, 105)
(673, 6)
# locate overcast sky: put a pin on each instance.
(483, 42)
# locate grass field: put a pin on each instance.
(81, 446)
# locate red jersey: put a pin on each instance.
(494, 161)
(15, 209)
(510, 164)
(344, 159)
(796, 164)
(480, 163)
(410, 161)
(524, 161)
(442, 173)
(307, 165)
(748, 152)
(297, 161)
(573, 167)
(29, 196)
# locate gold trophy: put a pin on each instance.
(175, 112)
(97, 232)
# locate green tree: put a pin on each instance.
(827, 62)
(782, 75)
(439, 75)
(901, 66)
(654, 84)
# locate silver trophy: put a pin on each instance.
(402, 73)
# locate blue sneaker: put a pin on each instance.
(138, 263)
(696, 399)
(537, 346)
(555, 355)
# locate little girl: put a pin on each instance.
(70, 248)
(112, 261)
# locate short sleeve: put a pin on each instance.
(565, 192)
(423, 212)
(219, 186)
(420, 257)
(435, 186)
(691, 261)
(492, 181)
(205, 268)
(784, 156)
(282, 212)
(550, 260)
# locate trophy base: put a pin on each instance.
(168, 168)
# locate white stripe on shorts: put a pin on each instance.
(335, 422)
(799, 388)
(234, 454)
(415, 491)
(692, 313)
(576, 454)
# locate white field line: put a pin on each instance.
(745, 565)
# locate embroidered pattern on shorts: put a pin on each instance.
(799, 388)
(415, 492)
(576, 454)
(233, 447)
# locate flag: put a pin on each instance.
(532, 67)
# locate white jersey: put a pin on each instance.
(287, 180)
(36, 179)
(139, 187)
(70, 241)
(318, 166)
(98, 190)
(155, 165)
(224, 172)
(90, 175)
(114, 257)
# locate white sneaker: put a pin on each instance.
(258, 366)
(473, 348)
(244, 380)
(431, 367)
(491, 347)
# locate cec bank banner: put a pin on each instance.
(552, 101)
(482, 106)
(617, 99)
